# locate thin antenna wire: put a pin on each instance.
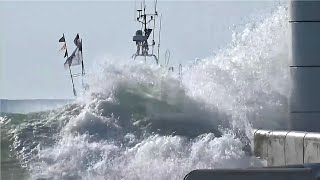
(144, 7)
(155, 7)
(134, 11)
(159, 37)
(154, 24)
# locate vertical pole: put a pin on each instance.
(154, 24)
(159, 37)
(74, 90)
(145, 43)
(83, 70)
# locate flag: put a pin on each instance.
(64, 47)
(77, 40)
(62, 39)
(74, 59)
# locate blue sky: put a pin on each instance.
(31, 66)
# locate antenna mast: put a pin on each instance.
(142, 36)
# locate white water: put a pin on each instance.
(250, 79)
(117, 129)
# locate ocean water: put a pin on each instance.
(138, 121)
(31, 105)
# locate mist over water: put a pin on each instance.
(140, 122)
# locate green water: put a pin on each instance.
(11, 168)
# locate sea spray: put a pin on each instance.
(140, 122)
(250, 79)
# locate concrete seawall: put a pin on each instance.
(280, 148)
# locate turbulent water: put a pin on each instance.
(140, 122)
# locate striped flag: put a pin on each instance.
(74, 59)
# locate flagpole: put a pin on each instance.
(83, 70)
(74, 90)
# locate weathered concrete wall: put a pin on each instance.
(294, 148)
(276, 148)
(261, 143)
(280, 148)
(312, 148)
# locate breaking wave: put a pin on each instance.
(141, 122)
